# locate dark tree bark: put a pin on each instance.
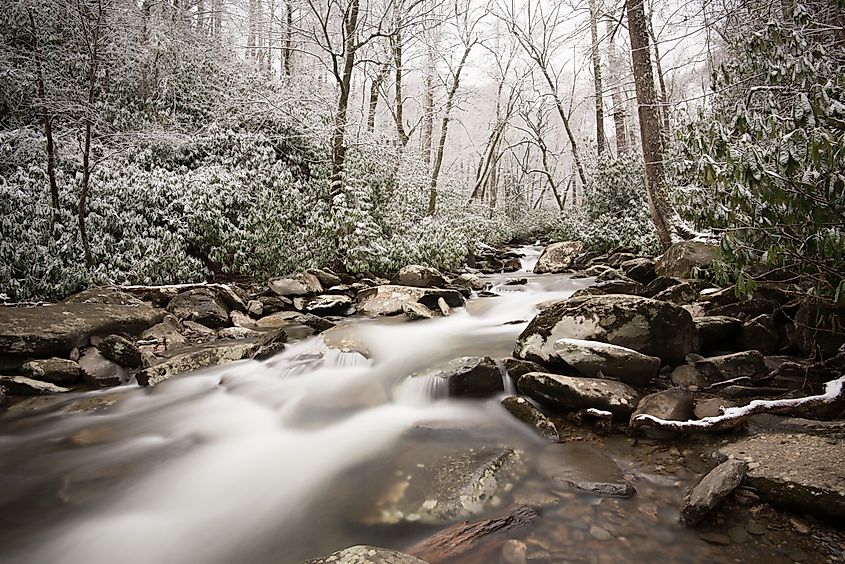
(287, 52)
(46, 116)
(350, 26)
(650, 130)
(597, 78)
(375, 88)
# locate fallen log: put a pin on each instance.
(735, 416)
(475, 541)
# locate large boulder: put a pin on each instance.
(108, 295)
(558, 257)
(55, 330)
(800, 471)
(581, 467)
(647, 326)
(569, 393)
(419, 277)
(121, 350)
(469, 376)
(681, 258)
(711, 489)
(596, 360)
(100, 371)
(388, 299)
(201, 305)
(54, 370)
(639, 269)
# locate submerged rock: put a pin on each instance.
(449, 487)
(711, 489)
(523, 410)
(558, 257)
(581, 467)
(799, 471)
(55, 330)
(362, 554)
(573, 393)
(647, 326)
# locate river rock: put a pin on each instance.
(201, 305)
(121, 350)
(23, 386)
(414, 311)
(419, 277)
(388, 300)
(687, 376)
(761, 334)
(362, 554)
(682, 258)
(295, 324)
(270, 343)
(53, 370)
(717, 332)
(681, 294)
(447, 487)
(597, 270)
(326, 304)
(54, 330)
(573, 393)
(469, 376)
(659, 284)
(619, 286)
(711, 406)
(558, 257)
(674, 404)
(595, 360)
(581, 467)
(647, 326)
(711, 489)
(471, 281)
(326, 277)
(168, 332)
(238, 333)
(194, 360)
(99, 370)
(802, 472)
(639, 269)
(516, 367)
(296, 285)
(525, 411)
(729, 366)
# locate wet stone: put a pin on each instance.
(715, 538)
(524, 411)
(580, 467)
(600, 534)
(755, 528)
(738, 535)
(53, 370)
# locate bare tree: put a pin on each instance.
(595, 54)
(616, 71)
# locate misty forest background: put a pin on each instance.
(165, 141)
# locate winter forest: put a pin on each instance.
(153, 142)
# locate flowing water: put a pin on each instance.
(281, 460)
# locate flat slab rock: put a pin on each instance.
(572, 393)
(54, 330)
(800, 471)
(194, 360)
(362, 554)
(581, 467)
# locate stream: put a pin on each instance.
(282, 460)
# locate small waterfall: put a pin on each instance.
(507, 381)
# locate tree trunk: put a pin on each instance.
(288, 50)
(444, 130)
(619, 114)
(374, 93)
(427, 128)
(664, 99)
(46, 117)
(650, 130)
(338, 139)
(596, 56)
(399, 101)
(216, 19)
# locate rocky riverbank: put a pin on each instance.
(647, 365)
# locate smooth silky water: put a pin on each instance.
(281, 460)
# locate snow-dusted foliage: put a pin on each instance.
(615, 211)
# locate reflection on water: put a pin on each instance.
(276, 461)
